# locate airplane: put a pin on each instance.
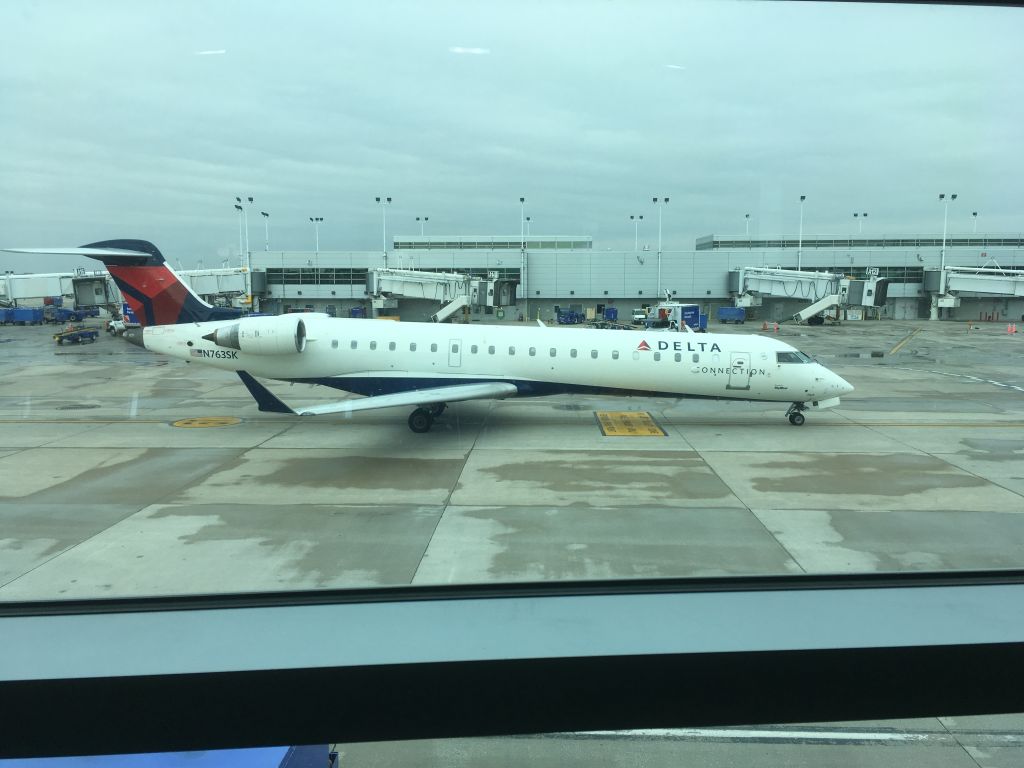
(427, 365)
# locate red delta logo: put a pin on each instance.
(644, 347)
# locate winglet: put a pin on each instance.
(266, 399)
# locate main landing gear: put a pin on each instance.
(795, 414)
(422, 419)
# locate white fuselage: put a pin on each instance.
(372, 356)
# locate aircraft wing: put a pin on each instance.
(448, 394)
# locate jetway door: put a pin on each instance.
(739, 371)
(455, 353)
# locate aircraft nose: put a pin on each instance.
(843, 387)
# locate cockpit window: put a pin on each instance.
(792, 357)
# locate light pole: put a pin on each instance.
(245, 216)
(522, 254)
(800, 241)
(241, 251)
(422, 221)
(636, 230)
(863, 218)
(266, 230)
(660, 202)
(945, 219)
(384, 203)
(975, 217)
(746, 221)
(527, 226)
(315, 220)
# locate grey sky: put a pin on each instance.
(121, 119)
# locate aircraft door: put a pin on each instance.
(739, 370)
(454, 353)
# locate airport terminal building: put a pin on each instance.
(567, 270)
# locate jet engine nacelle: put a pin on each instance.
(282, 335)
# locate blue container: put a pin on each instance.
(732, 314)
(611, 313)
(6, 315)
(357, 312)
(28, 315)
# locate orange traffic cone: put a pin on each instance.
(776, 327)
(1009, 328)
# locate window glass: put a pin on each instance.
(473, 349)
(615, 354)
(334, 343)
(391, 346)
(533, 351)
(511, 350)
(354, 344)
(373, 345)
(433, 347)
(490, 350)
(593, 353)
(679, 356)
(657, 355)
(412, 346)
(553, 352)
(572, 353)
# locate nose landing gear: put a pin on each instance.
(795, 414)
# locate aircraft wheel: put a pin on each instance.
(796, 418)
(420, 420)
(436, 409)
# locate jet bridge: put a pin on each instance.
(823, 290)
(947, 285)
(453, 290)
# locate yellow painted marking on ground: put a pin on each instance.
(203, 422)
(628, 424)
(905, 339)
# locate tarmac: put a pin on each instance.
(123, 473)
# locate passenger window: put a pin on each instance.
(696, 357)
(593, 353)
(334, 343)
(679, 356)
(354, 344)
(657, 355)
(391, 346)
(473, 349)
(615, 354)
(433, 347)
(636, 355)
(714, 359)
(533, 351)
(455, 349)
(553, 352)
(373, 345)
(511, 350)
(412, 347)
(572, 353)
(490, 350)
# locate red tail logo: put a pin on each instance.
(644, 347)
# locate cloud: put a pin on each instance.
(473, 51)
(210, 53)
(674, 66)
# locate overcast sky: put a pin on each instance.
(146, 119)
